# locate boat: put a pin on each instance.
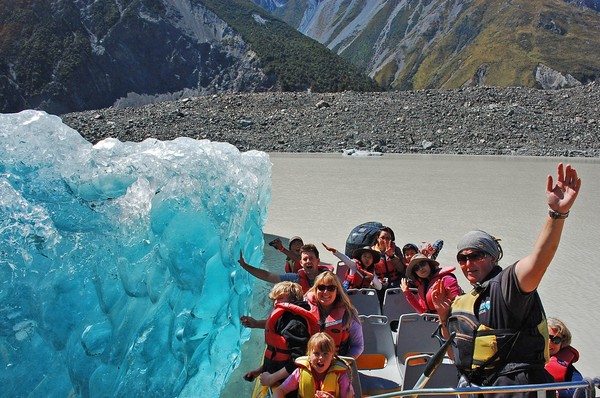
(403, 354)
(420, 366)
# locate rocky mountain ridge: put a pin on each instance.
(449, 44)
(67, 55)
(475, 121)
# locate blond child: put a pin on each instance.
(320, 374)
(287, 331)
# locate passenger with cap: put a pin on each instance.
(361, 268)
(292, 253)
(501, 331)
(409, 250)
(431, 250)
(424, 273)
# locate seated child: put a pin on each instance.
(320, 374)
(361, 268)
(287, 331)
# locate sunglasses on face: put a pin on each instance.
(555, 339)
(329, 288)
(475, 256)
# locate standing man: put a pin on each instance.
(501, 326)
(311, 267)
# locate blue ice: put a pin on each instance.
(118, 261)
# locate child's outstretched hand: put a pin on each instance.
(331, 249)
(248, 321)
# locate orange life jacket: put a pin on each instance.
(333, 324)
(277, 348)
(360, 279)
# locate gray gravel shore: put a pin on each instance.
(477, 121)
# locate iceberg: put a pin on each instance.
(119, 261)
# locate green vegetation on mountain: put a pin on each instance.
(510, 40)
(450, 43)
(42, 46)
(298, 62)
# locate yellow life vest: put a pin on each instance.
(477, 343)
(307, 387)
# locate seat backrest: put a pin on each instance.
(340, 270)
(355, 376)
(395, 305)
(415, 335)
(379, 347)
(365, 301)
(446, 375)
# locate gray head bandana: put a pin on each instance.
(480, 240)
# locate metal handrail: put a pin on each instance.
(587, 385)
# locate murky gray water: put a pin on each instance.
(425, 197)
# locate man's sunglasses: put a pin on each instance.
(329, 288)
(475, 256)
(555, 339)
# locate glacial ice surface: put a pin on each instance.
(118, 261)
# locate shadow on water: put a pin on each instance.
(252, 350)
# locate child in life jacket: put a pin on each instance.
(361, 268)
(320, 374)
(287, 331)
(562, 356)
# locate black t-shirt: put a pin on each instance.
(504, 306)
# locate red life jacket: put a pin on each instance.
(333, 324)
(559, 363)
(384, 268)
(303, 279)
(277, 348)
(296, 266)
(360, 279)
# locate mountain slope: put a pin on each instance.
(70, 55)
(411, 44)
(299, 63)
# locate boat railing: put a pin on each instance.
(584, 388)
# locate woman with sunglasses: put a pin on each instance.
(424, 272)
(500, 325)
(337, 316)
(562, 356)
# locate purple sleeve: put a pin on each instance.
(346, 389)
(292, 382)
(357, 343)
